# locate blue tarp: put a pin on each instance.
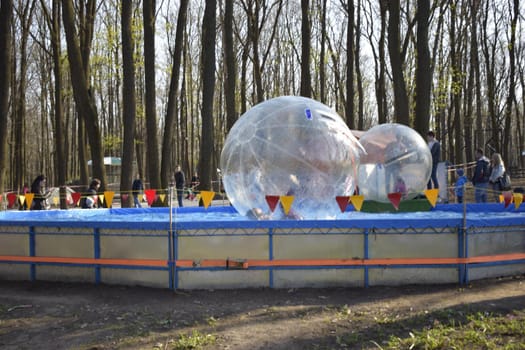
(443, 215)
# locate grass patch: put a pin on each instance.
(195, 340)
(471, 331)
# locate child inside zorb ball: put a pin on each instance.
(290, 146)
(394, 154)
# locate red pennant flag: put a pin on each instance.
(343, 202)
(11, 198)
(395, 198)
(76, 197)
(124, 198)
(507, 196)
(272, 202)
(150, 196)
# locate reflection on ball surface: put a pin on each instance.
(397, 159)
(290, 145)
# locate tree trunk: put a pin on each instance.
(306, 80)
(511, 95)
(129, 103)
(6, 19)
(171, 109)
(401, 111)
(149, 77)
(230, 74)
(83, 98)
(208, 86)
(349, 110)
(423, 72)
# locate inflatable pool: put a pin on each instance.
(197, 248)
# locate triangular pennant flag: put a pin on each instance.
(357, 201)
(501, 199)
(140, 197)
(11, 199)
(518, 199)
(207, 197)
(22, 199)
(507, 196)
(124, 198)
(76, 197)
(56, 200)
(286, 202)
(432, 196)
(29, 199)
(1, 197)
(108, 195)
(162, 197)
(101, 198)
(272, 202)
(150, 196)
(342, 201)
(395, 198)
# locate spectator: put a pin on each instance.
(481, 176)
(91, 198)
(138, 188)
(496, 173)
(459, 188)
(435, 151)
(38, 188)
(179, 184)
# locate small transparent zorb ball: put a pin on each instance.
(397, 160)
(292, 146)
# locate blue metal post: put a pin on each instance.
(96, 252)
(32, 252)
(270, 253)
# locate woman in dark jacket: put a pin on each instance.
(38, 188)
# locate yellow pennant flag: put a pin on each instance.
(101, 198)
(22, 199)
(162, 196)
(207, 197)
(108, 195)
(56, 200)
(29, 199)
(140, 197)
(286, 202)
(501, 199)
(518, 199)
(357, 201)
(432, 196)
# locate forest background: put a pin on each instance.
(160, 83)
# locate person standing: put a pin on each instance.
(435, 151)
(496, 172)
(137, 187)
(179, 184)
(91, 199)
(459, 188)
(480, 179)
(38, 188)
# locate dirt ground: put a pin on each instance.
(79, 316)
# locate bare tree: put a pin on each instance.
(401, 110)
(6, 19)
(208, 86)
(230, 74)
(83, 98)
(149, 77)
(128, 99)
(171, 111)
(306, 79)
(423, 70)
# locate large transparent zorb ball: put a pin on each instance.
(293, 146)
(397, 160)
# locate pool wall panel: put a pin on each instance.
(204, 279)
